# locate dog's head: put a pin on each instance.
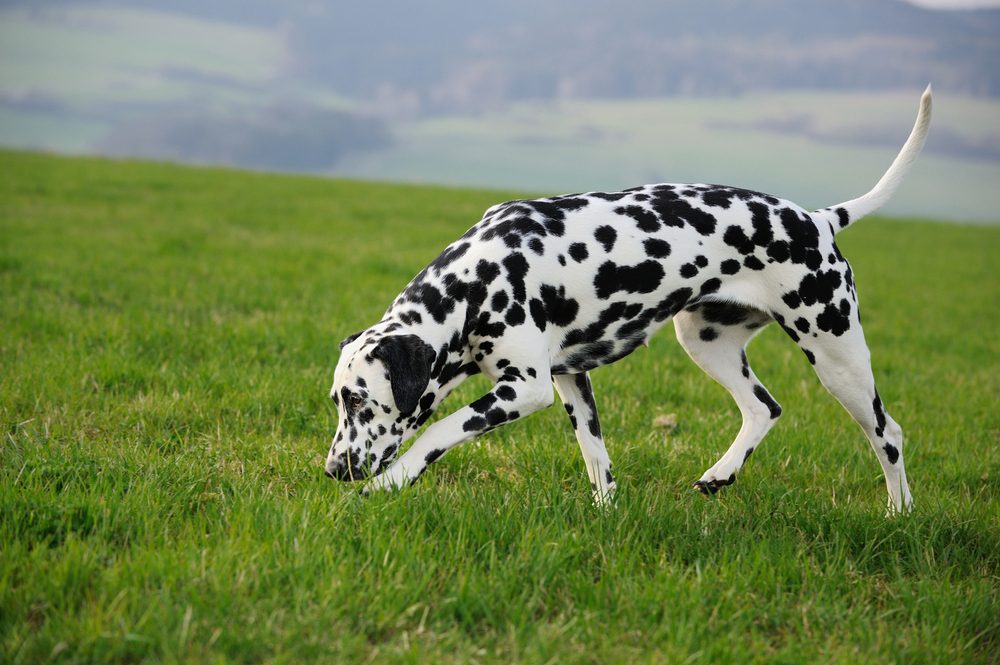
(377, 388)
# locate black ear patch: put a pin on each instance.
(350, 339)
(409, 360)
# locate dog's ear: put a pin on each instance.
(409, 360)
(350, 339)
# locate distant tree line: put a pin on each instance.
(288, 137)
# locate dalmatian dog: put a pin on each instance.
(539, 292)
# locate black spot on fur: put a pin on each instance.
(788, 331)
(644, 219)
(587, 393)
(708, 334)
(675, 211)
(644, 277)
(802, 232)
(725, 313)
(810, 356)
(765, 398)
(496, 416)
(484, 403)
(553, 307)
(689, 270)
(729, 267)
(836, 320)
(578, 252)
(778, 251)
(448, 256)
(433, 456)
(656, 248)
(595, 331)
(411, 317)
(819, 287)
(891, 453)
(484, 327)
(517, 268)
(761, 220)
(438, 306)
(672, 304)
(474, 424)
(487, 271)
(792, 299)
(845, 218)
(736, 237)
(879, 410)
(613, 196)
(350, 338)
(710, 286)
(606, 235)
(499, 301)
(506, 393)
(515, 315)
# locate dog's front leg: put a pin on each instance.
(514, 396)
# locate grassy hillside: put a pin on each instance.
(167, 339)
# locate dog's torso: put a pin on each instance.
(593, 276)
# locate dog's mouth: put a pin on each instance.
(347, 473)
(348, 466)
(351, 467)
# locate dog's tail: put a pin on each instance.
(845, 214)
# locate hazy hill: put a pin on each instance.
(448, 55)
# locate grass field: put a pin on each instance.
(167, 339)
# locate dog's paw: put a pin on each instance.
(713, 485)
(605, 499)
(380, 483)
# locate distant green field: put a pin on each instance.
(167, 339)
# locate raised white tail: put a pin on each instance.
(845, 214)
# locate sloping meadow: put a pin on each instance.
(168, 340)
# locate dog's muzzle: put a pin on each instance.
(339, 468)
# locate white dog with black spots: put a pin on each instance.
(540, 292)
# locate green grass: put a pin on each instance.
(167, 339)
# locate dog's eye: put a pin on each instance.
(355, 401)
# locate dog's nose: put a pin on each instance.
(333, 467)
(338, 470)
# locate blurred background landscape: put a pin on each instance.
(806, 99)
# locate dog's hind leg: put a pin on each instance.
(843, 364)
(715, 335)
(577, 396)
